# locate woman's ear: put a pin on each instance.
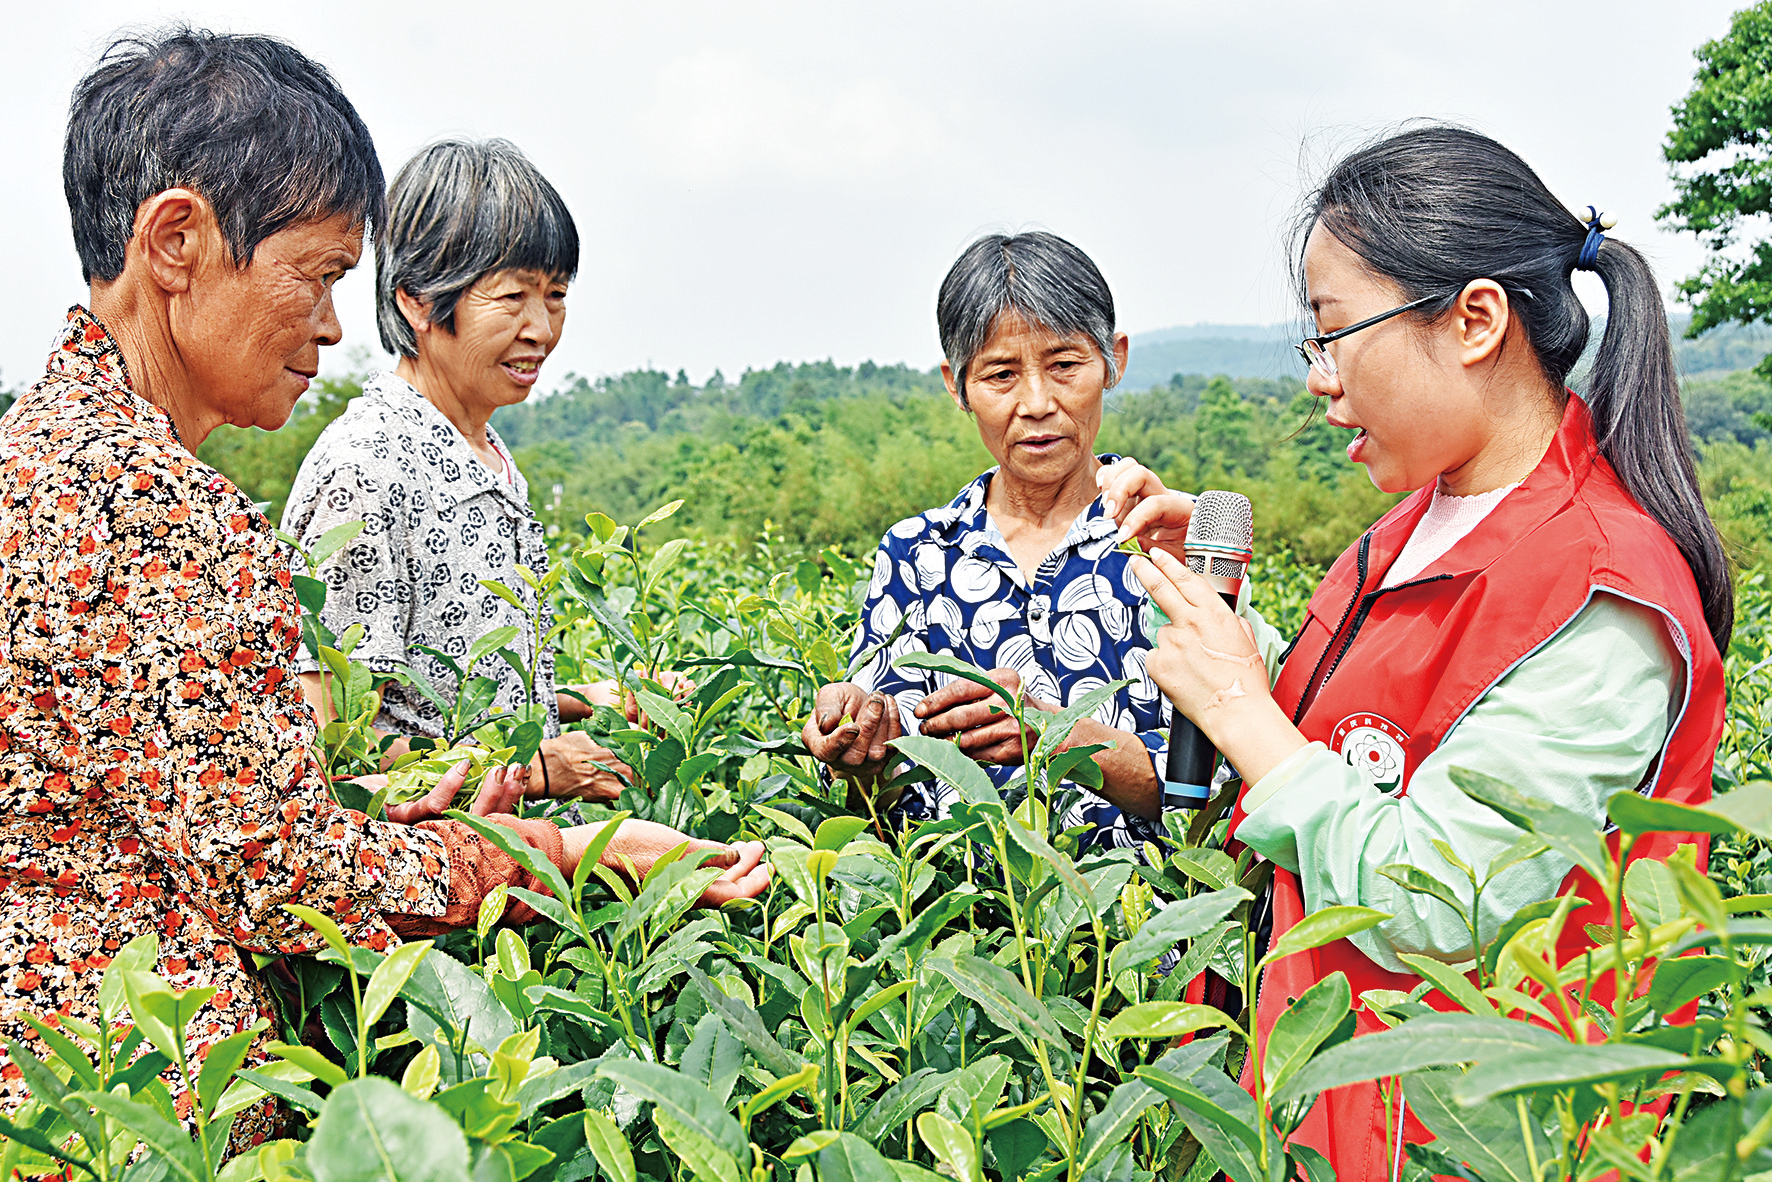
(416, 311)
(953, 385)
(1122, 348)
(174, 229)
(1480, 317)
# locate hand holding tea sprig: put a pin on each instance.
(849, 728)
(1148, 513)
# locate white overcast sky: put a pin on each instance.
(763, 181)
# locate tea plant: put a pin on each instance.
(974, 997)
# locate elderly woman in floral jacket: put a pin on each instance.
(155, 774)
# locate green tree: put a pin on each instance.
(1722, 174)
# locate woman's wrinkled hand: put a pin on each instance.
(745, 875)
(979, 720)
(501, 792)
(849, 730)
(1205, 660)
(1137, 500)
(570, 771)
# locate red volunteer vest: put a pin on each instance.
(1381, 675)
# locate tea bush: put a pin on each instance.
(975, 997)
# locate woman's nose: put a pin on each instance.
(537, 326)
(1321, 386)
(1038, 398)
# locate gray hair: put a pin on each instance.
(262, 132)
(1038, 276)
(457, 211)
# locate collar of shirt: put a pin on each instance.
(88, 360)
(398, 397)
(966, 523)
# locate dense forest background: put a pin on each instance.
(829, 455)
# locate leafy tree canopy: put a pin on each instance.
(1722, 174)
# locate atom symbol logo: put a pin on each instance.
(1373, 746)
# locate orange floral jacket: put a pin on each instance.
(155, 767)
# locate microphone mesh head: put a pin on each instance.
(1221, 519)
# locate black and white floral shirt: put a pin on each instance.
(436, 522)
(1079, 624)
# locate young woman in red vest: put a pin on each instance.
(1548, 607)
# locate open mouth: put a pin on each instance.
(524, 371)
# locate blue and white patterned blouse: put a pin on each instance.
(1078, 626)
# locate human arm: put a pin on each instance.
(179, 684)
(1580, 719)
(477, 868)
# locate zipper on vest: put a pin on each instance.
(1313, 685)
(1366, 610)
(1359, 620)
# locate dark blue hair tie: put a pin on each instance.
(1597, 222)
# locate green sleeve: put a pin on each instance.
(1268, 641)
(1580, 719)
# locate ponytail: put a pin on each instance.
(1634, 397)
(1434, 207)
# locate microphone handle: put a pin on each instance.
(1192, 758)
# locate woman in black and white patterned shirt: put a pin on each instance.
(471, 277)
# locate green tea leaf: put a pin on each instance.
(1570, 1063)
(609, 1147)
(526, 855)
(1324, 926)
(838, 832)
(1450, 982)
(850, 1159)
(951, 766)
(1303, 1026)
(371, 1131)
(901, 1101)
(1688, 978)
(1418, 881)
(683, 1100)
(310, 1060)
(221, 1061)
(658, 515)
(1562, 829)
(951, 1145)
(1004, 999)
(1650, 892)
(1437, 1041)
(1167, 1019)
(389, 978)
(1183, 919)
(331, 542)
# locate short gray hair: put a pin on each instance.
(1038, 276)
(457, 211)
(262, 132)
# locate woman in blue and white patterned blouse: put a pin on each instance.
(1019, 573)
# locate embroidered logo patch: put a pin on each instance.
(1372, 745)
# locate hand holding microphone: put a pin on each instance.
(1205, 659)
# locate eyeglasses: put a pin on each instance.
(1317, 357)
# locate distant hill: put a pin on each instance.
(1234, 350)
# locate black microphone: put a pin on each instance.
(1217, 547)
